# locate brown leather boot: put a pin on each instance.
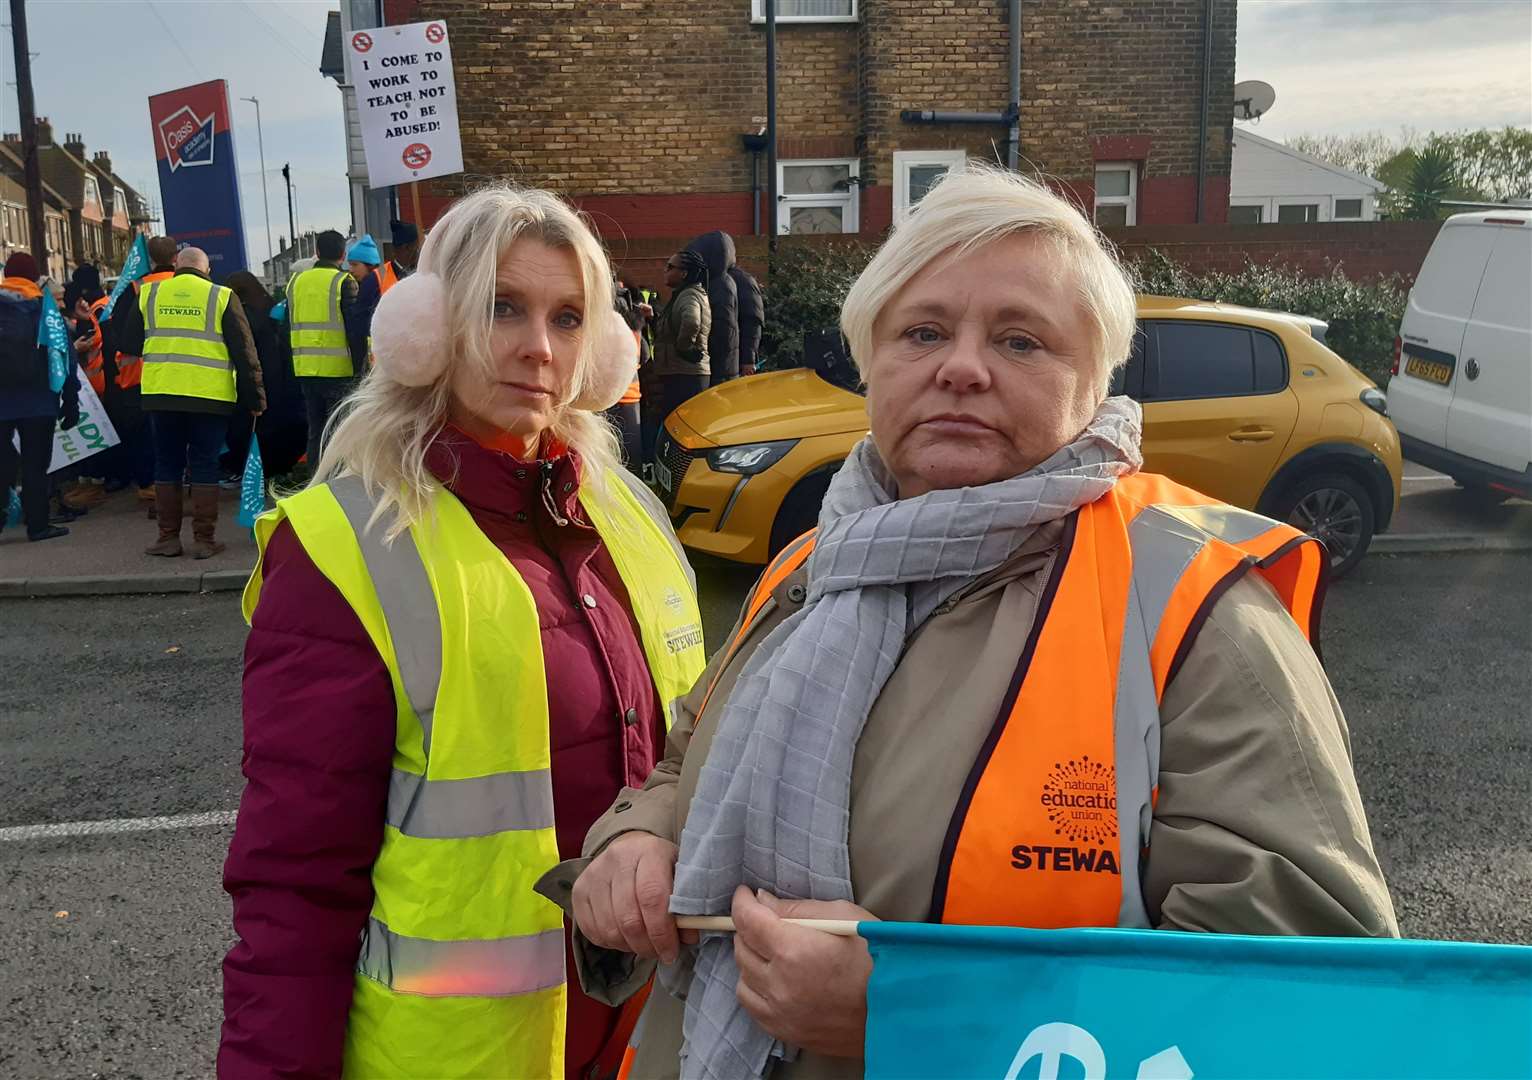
(167, 506)
(204, 501)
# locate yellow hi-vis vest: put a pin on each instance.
(460, 971)
(315, 323)
(184, 350)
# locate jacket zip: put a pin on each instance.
(549, 502)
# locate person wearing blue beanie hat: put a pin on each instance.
(363, 257)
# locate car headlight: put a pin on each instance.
(749, 458)
(1375, 400)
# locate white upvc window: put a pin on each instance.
(1249, 211)
(807, 11)
(1349, 208)
(1301, 210)
(916, 170)
(818, 195)
(91, 193)
(1116, 193)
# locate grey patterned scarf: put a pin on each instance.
(772, 806)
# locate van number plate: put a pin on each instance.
(1429, 370)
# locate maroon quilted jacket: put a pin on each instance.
(319, 733)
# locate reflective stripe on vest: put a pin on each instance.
(469, 818)
(387, 279)
(184, 350)
(316, 328)
(94, 363)
(1053, 823)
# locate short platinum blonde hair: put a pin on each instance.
(973, 207)
(383, 430)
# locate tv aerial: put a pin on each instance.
(1253, 99)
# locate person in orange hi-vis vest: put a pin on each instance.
(124, 397)
(1010, 680)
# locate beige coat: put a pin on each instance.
(1259, 828)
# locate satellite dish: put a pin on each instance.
(1253, 99)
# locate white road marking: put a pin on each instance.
(117, 825)
(1430, 477)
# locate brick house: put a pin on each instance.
(126, 212)
(15, 221)
(636, 109)
(64, 168)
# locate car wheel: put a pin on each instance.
(799, 512)
(1336, 511)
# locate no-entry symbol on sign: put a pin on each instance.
(435, 33)
(361, 42)
(417, 155)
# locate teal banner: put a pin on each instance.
(959, 1001)
(53, 335)
(135, 266)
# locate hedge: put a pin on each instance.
(1363, 316)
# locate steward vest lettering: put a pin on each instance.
(461, 967)
(317, 330)
(184, 350)
(1052, 827)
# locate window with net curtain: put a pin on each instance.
(817, 197)
(807, 9)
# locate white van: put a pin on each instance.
(1461, 392)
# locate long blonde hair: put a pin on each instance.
(383, 429)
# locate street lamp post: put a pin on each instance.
(260, 141)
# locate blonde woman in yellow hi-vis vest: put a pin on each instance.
(327, 334)
(1010, 680)
(467, 635)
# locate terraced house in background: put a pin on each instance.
(647, 112)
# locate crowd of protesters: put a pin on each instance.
(184, 406)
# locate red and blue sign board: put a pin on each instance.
(199, 181)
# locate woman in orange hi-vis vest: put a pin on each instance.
(1010, 680)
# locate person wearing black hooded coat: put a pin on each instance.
(717, 250)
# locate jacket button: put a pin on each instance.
(620, 807)
(568, 487)
(521, 474)
(588, 600)
(521, 515)
(796, 593)
(630, 717)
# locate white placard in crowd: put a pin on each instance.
(93, 434)
(406, 102)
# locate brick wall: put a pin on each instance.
(1363, 250)
(635, 107)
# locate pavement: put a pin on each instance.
(121, 776)
(104, 552)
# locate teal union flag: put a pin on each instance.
(971, 1001)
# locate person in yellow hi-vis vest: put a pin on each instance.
(467, 635)
(329, 342)
(198, 362)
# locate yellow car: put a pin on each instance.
(1247, 406)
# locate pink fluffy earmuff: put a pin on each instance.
(410, 346)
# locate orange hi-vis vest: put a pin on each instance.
(94, 362)
(130, 369)
(1052, 828)
(387, 279)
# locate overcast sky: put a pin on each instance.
(1337, 66)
